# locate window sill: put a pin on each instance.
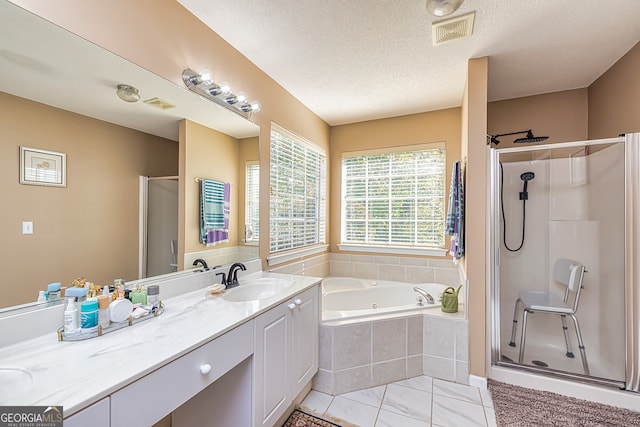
(399, 250)
(279, 258)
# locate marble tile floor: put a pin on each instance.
(416, 402)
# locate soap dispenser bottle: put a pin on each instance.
(71, 316)
(139, 296)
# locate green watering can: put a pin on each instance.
(450, 300)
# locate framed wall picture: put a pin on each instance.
(42, 167)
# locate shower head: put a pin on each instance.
(530, 138)
(527, 176)
(493, 139)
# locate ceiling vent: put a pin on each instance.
(452, 29)
(159, 103)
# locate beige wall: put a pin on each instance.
(562, 116)
(89, 228)
(613, 98)
(164, 38)
(475, 115)
(436, 126)
(208, 154)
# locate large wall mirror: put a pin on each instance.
(58, 93)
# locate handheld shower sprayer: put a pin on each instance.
(524, 196)
(526, 177)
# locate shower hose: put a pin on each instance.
(504, 220)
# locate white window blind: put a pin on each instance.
(298, 192)
(394, 198)
(252, 208)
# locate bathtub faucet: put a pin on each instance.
(424, 294)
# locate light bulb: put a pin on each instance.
(241, 97)
(205, 76)
(225, 88)
(255, 106)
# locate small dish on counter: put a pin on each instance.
(215, 290)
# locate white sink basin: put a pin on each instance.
(255, 290)
(15, 382)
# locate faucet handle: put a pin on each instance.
(224, 278)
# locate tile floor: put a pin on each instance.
(416, 402)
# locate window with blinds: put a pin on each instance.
(394, 198)
(298, 192)
(252, 208)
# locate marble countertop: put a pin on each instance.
(76, 374)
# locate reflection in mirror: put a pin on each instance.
(58, 93)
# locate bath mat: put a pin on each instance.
(519, 406)
(301, 419)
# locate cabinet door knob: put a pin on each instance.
(291, 306)
(205, 369)
(298, 301)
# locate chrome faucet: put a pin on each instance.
(232, 275)
(424, 294)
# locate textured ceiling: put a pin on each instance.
(356, 60)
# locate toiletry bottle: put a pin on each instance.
(139, 296)
(103, 311)
(105, 291)
(119, 285)
(53, 291)
(89, 314)
(71, 317)
(42, 297)
(153, 295)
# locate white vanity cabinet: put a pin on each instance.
(304, 344)
(96, 415)
(150, 398)
(285, 355)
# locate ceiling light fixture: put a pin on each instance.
(203, 85)
(441, 8)
(128, 93)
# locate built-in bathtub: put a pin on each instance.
(374, 332)
(346, 298)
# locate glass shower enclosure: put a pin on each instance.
(566, 201)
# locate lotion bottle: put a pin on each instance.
(71, 316)
(103, 311)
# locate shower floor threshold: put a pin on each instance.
(556, 360)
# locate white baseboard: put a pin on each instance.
(478, 382)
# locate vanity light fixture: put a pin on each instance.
(202, 84)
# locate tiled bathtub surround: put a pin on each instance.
(372, 353)
(399, 269)
(394, 268)
(317, 266)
